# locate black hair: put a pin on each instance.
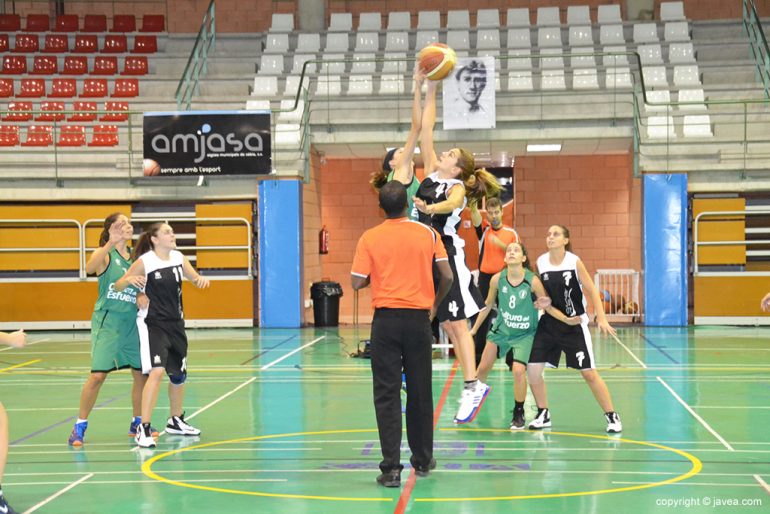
(144, 244)
(386, 161)
(393, 199)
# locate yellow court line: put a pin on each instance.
(20, 365)
(697, 466)
(147, 468)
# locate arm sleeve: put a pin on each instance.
(361, 261)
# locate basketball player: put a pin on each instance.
(398, 163)
(17, 340)
(441, 198)
(513, 290)
(164, 349)
(569, 285)
(114, 335)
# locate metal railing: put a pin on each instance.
(732, 216)
(189, 84)
(752, 27)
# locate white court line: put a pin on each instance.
(56, 495)
(311, 343)
(706, 484)
(211, 404)
(643, 365)
(26, 345)
(762, 483)
(695, 415)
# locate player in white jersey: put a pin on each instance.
(440, 199)
(17, 340)
(164, 349)
(565, 329)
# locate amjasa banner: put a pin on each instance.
(207, 143)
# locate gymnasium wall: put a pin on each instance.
(594, 196)
(254, 15)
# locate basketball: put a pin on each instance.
(151, 168)
(437, 61)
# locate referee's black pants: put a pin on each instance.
(401, 338)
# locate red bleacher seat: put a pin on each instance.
(39, 135)
(135, 65)
(66, 23)
(95, 23)
(10, 23)
(123, 23)
(56, 43)
(83, 116)
(6, 88)
(75, 65)
(32, 88)
(9, 135)
(120, 111)
(4, 44)
(126, 88)
(153, 23)
(105, 65)
(20, 111)
(104, 135)
(38, 23)
(14, 65)
(115, 44)
(72, 135)
(94, 88)
(53, 111)
(26, 43)
(86, 44)
(63, 88)
(45, 65)
(145, 45)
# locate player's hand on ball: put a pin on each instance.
(201, 282)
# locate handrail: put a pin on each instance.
(206, 40)
(51, 221)
(697, 243)
(759, 47)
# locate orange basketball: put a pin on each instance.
(151, 168)
(437, 61)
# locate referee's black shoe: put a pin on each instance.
(390, 479)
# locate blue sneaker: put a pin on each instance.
(4, 507)
(78, 433)
(135, 423)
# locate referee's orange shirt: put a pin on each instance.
(398, 257)
(492, 257)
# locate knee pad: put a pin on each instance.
(178, 379)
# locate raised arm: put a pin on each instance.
(473, 206)
(426, 130)
(454, 201)
(592, 294)
(403, 170)
(135, 276)
(490, 301)
(100, 259)
(193, 276)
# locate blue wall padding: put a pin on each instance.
(664, 244)
(280, 253)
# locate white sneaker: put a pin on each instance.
(471, 401)
(178, 426)
(614, 425)
(143, 438)
(542, 420)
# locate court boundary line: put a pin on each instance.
(311, 343)
(627, 349)
(58, 493)
(696, 415)
(9, 368)
(762, 483)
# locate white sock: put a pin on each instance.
(81, 421)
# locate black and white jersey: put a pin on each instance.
(434, 190)
(164, 286)
(562, 284)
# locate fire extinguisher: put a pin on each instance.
(323, 241)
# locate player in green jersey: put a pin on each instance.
(514, 290)
(114, 333)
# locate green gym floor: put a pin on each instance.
(288, 426)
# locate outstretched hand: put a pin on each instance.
(116, 232)
(201, 282)
(765, 305)
(605, 327)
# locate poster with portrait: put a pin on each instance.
(469, 94)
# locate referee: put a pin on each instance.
(397, 258)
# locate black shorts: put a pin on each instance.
(164, 346)
(464, 299)
(554, 338)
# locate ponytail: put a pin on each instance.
(378, 179)
(481, 183)
(144, 244)
(108, 222)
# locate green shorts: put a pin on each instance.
(521, 345)
(114, 342)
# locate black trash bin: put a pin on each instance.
(326, 303)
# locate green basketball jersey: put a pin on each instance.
(411, 191)
(517, 315)
(109, 299)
